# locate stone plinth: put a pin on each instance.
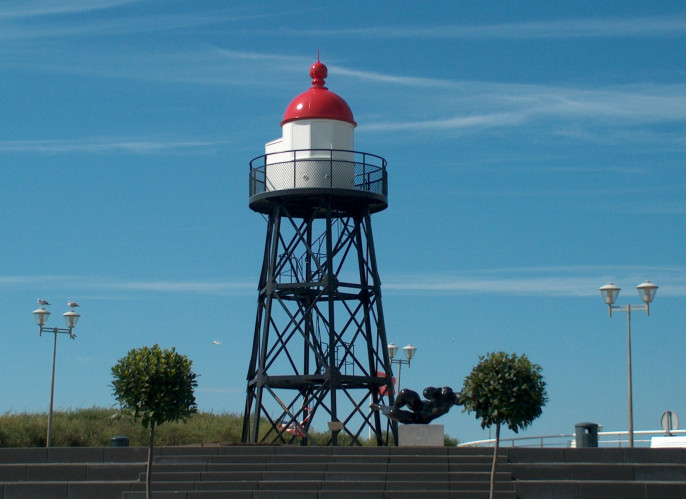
(420, 435)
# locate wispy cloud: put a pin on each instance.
(191, 64)
(618, 114)
(36, 8)
(21, 280)
(170, 286)
(500, 104)
(88, 284)
(454, 123)
(548, 29)
(646, 102)
(576, 112)
(149, 20)
(540, 282)
(401, 80)
(220, 390)
(562, 281)
(102, 145)
(584, 28)
(56, 20)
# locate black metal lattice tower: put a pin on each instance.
(319, 351)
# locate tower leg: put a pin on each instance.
(319, 351)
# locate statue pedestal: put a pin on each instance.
(420, 435)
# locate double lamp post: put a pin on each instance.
(409, 350)
(71, 318)
(646, 292)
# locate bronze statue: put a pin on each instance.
(439, 401)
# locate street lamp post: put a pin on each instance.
(409, 355)
(646, 292)
(71, 318)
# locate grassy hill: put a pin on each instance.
(94, 427)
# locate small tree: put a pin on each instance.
(156, 386)
(506, 389)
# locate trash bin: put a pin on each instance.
(586, 435)
(119, 441)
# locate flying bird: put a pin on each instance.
(217, 342)
(72, 304)
(41, 301)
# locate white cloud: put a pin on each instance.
(150, 20)
(101, 145)
(454, 123)
(36, 8)
(208, 287)
(221, 390)
(549, 29)
(52, 20)
(616, 114)
(23, 280)
(409, 81)
(540, 282)
(80, 285)
(570, 281)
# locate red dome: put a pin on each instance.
(318, 102)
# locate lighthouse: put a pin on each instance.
(319, 356)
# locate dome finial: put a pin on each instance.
(318, 72)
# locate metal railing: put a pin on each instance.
(605, 439)
(318, 168)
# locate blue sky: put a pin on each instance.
(536, 151)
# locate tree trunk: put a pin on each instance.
(148, 472)
(495, 458)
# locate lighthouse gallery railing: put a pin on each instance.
(318, 168)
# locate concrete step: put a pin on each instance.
(348, 458)
(347, 485)
(599, 471)
(60, 490)
(309, 476)
(322, 494)
(324, 451)
(73, 455)
(342, 472)
(585, 489)
(62, 472)
(596, 455)
(322, 467)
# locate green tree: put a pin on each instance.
(155, 386)
(504, 389)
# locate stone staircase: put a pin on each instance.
(70, 472)
(326, 472)
(263, 471)
(602, 473)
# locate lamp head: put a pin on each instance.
(41, 315)
(71, 318)
(410, 351)
(647, 291)
(392, 349)
(609, 292)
